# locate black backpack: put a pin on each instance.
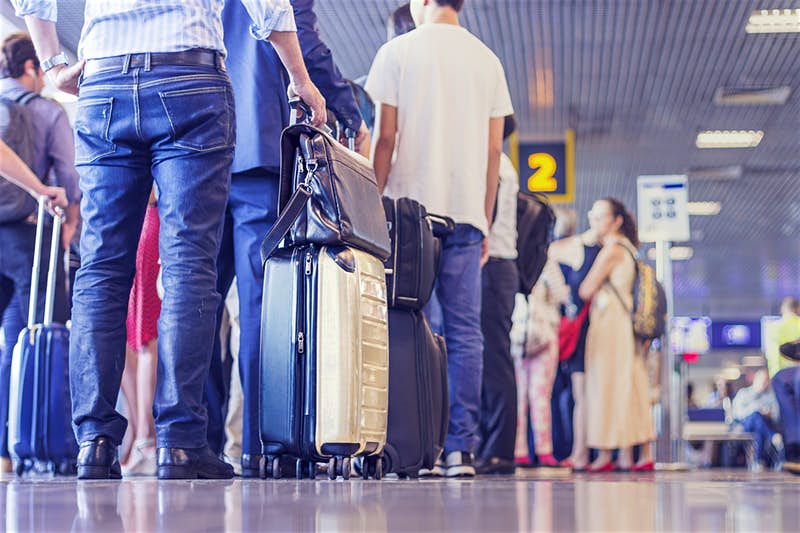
(16, 131)
(535, 222)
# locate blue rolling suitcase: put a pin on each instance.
(40, 417)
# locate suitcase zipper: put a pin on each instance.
(309, 259)
(301, 342)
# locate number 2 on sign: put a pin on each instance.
(544, 167)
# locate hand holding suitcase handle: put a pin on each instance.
(50, 295)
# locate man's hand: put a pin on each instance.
(363, 140)
(312, 98)
(485, 251)
(57, 197)
(65, 78)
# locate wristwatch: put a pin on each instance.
(51, 62)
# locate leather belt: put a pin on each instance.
(198, 57)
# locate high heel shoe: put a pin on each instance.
(610, 466)
(649, 466)
(547, 460)
(567, 463)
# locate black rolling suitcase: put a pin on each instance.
(419, 405)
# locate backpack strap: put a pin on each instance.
(26, 97)
(614, 289)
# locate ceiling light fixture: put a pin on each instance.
(729, 139)
(722, 173)
(762, 96)
(774, 21)
(704, 209)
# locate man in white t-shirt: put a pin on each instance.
(443, 98)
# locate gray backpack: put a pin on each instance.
(15, 130)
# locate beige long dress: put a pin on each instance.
(617, 389)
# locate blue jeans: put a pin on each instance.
(759, 426)
(252, 210)
(13, 324)
(786, 384)
(175, 126)
(455, 312)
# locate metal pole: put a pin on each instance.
(669, 448)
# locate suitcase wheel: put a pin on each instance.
(19, 468)
(372, 467)
(273, 467)
(344, 467)
(305, 469)
(332, 474)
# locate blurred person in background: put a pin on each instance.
(538, 367)
(141, 357)
(617, 385)
(576, 255)
(755, 410)
(500, 283)
(787, 329)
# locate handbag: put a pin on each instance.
(328, 194)
(569, 333)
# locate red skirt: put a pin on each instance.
(144, 305)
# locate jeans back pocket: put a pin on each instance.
(92, 125)
(200, 118)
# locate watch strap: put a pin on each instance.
(58, 59)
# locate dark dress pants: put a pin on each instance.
(499, 390)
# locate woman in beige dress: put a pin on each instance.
(618, 407)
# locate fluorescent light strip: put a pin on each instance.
(774, 21)
(704, 209)
(729, 139)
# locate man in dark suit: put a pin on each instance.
(260, 90)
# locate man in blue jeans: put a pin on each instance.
(444, 114)
(259, 83)
(155, 105)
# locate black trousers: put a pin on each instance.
(499, 390)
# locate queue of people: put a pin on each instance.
(176, 147)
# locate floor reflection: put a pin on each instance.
(535, 502)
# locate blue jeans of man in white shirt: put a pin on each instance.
(175, 126)
(455, 313)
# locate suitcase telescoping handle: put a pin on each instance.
(50, 295)
(301, 112)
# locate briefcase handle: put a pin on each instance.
(50, 295)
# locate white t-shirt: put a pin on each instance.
(503, 234)
(446, 85)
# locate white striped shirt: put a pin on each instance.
(118, 27)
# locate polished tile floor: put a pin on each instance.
(532, 501)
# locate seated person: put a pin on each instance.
(755, 409)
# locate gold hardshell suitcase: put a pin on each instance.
(324, 360)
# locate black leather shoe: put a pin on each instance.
(251, 465)
(496, 466)
(97, 459)
(191, 463)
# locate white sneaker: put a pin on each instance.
(459, 464)
(142, 461)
